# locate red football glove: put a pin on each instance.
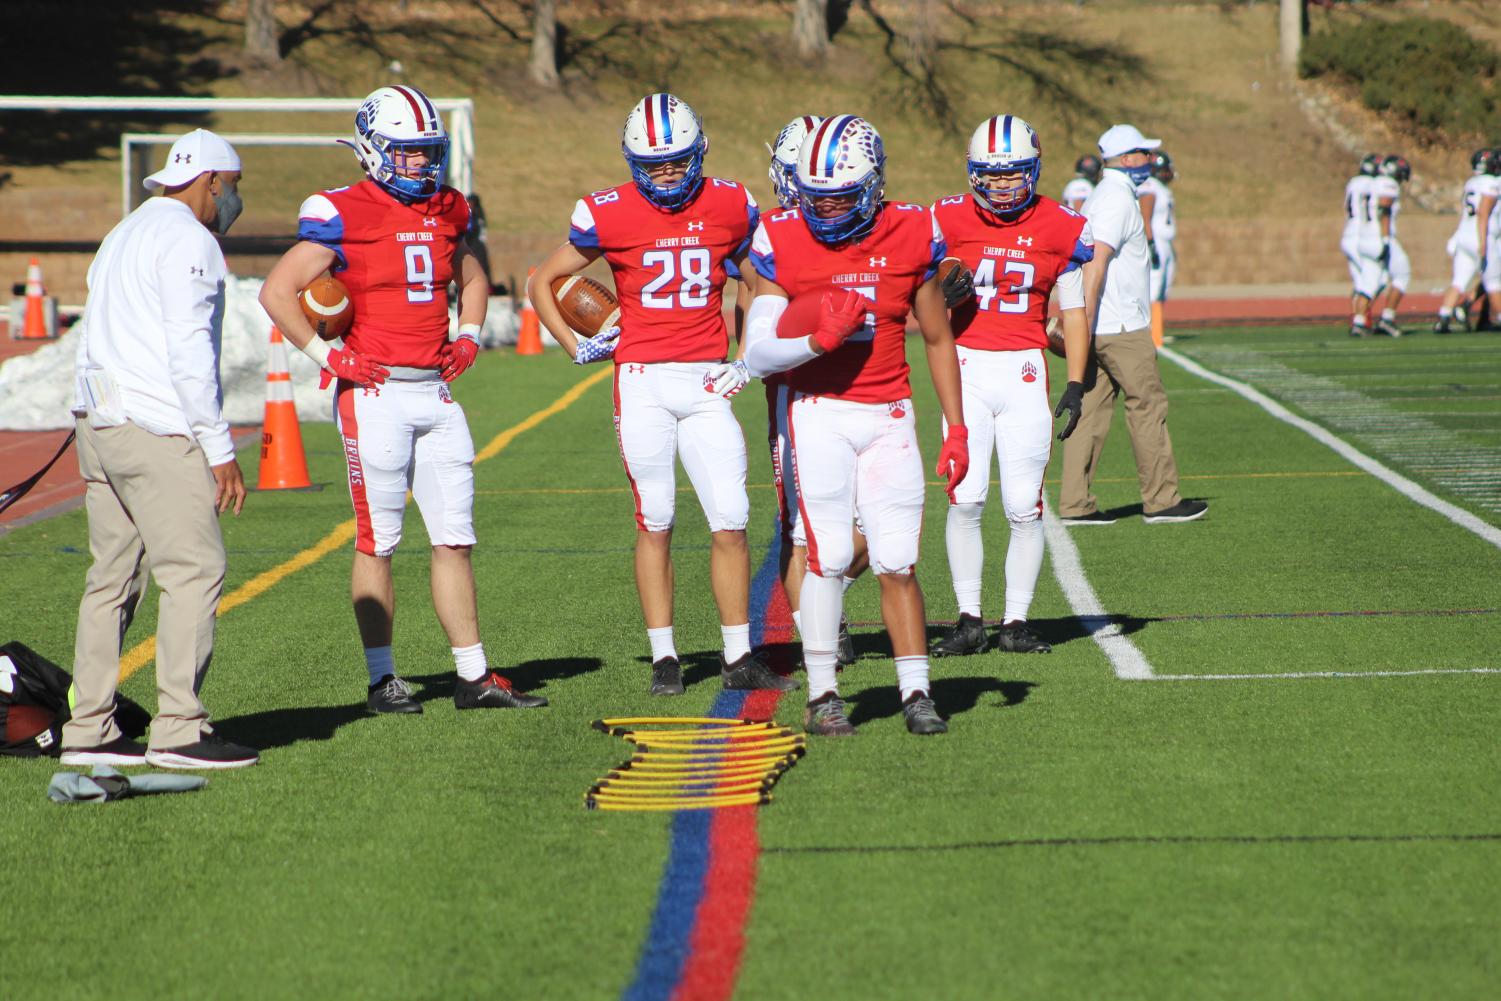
(458, 356)
(953, 458)
(840, 317)
(352, 367)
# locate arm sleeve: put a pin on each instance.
(1071, 289)
(190, 277)
(318, 221)
(765, 352)
(581, 229)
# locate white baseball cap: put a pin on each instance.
(195, 153)
(1122, 139)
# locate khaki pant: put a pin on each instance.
(1121, 364)
(150, 503)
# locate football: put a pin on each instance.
(800, 318)
(325, 303)
(946, 267)
(587, 306)
(1055, 337)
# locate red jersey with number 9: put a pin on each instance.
(1016, 263)
(669, 267)
(887, 266)
(396, 259)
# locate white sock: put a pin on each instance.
(469, 661)
(847, 582)
(736, 641)
(1359, 320)
(661, 643)
(1389, 315)
(1023, 565)
(1444, 312)
(379, 662)
(961, 534)
(823, 604)
(912, 676)
(797, 621)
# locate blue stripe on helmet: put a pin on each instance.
(666, 122)
(829, 155)
(1006, 133)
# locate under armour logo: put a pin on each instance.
(429, 221)
(1024, 241)
(878, 262)
(695, 227)
(195, 272)
(636, 369)
(182, 157)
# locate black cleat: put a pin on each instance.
(493, 692)
(921, 716)
(1184, 510)
(845, 655)
(1015, 637)
(667, 677)
(967, 636)
(749, 672)
(391, 695)
(1442, 326)
(825, 717)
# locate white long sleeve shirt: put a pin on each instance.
(149, 352)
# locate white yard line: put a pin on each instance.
(1323, 674)
(1127, 661)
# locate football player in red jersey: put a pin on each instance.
(1019, 245)
(396, 240)
(850, 418)
(794, 550)
(668, 235)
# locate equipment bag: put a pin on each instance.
(34, 704)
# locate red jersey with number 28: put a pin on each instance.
(1016, 263)
(396, 259)
(669, 267)
(888, 266)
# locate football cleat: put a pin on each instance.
(663, 129)
(783, 169)
(1388, 327)
(845, 654)
(967, 636)
(749, 672)
(825, 716)
(667, 677)
(493, 692)
(1015, 637)
(922, 716)
(393, 124)
(391, 695)
(843, 157)
(1004, 146)
(1359, 330)
(1442, 325)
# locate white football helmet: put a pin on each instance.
(844, 155)
(661, 128)
(783, 169)
(1003, 144)
(391, 123)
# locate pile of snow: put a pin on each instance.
(37, 388)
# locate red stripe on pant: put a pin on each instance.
(619, 440)
(779, 464)
(349, 430)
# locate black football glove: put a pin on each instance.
(1156, 258)
(1386, 254)
(958, 286)
(1072, 400)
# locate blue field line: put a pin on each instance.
(665, 950)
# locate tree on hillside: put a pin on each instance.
(260, 31)
(810, 27)
(544, 65)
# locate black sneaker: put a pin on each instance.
(211, 751)
(825, 716)
(391, 695)
(1184, 510)
(845, 655)
(493, 692)
(967, 636)
(1442, 326)
(120, 751)
(1092, 518)
(1389, 328)
(921, 715)
(748, 672)
(667, 677)
(1015, 637)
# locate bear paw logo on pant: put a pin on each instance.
(1029, 372)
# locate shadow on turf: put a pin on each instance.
(953, 696)
(528, 677)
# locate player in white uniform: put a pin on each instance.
(1470, 246)
(1395, 170)
(1364, 280)
(1156, 198)
(1086, 175)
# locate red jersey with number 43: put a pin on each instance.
(1016, 263)
(888, 267)
(669, 267)
(396, 259)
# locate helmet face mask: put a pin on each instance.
(783, 168)
(1004, 146)
(843, 156)
(1162, 167)
(1370, 164)
(394, 125)
(1483, 161)
(1397, 168)
(662, 129)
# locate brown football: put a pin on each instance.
(1055, 337)
(587, 306)
(325, 303)
(946, 267)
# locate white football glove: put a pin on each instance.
(597, 348)
(727, 379)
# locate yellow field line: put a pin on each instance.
(144, 652)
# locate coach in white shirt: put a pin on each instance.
(157, 459)
(1117, 295)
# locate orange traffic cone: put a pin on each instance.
(35, 326)
(529, 341)
(1157, 324)
(283, 464)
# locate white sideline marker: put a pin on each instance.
(1128, 662)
